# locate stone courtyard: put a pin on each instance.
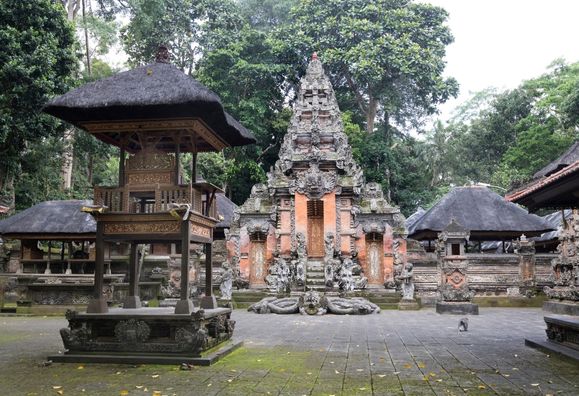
(391, 353)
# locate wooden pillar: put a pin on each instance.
(193, 168)
(185, 305)
(122, 167)
(47, 270)
(98, 304)
(177, 160)
(209, 301)
(133, 300)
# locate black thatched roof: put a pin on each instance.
(49, 218)
(155, 91)
(484, 213)
(58, 218)
(225, 209)
(566, 159)
(414, 217)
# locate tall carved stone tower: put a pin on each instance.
(316, 196)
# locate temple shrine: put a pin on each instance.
(153, 113)
(316, 212)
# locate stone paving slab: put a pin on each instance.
(392, 353)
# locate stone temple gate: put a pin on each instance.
(316, 208)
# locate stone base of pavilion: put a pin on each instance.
(456, 308)
(148, 335)
(562, 319)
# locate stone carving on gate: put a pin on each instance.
(132, 331)
(565, 267)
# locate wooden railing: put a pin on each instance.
(157, 198)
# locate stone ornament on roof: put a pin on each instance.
(163, 55)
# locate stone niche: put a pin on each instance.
(316, 213)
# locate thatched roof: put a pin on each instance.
(225, 209)
(566, 159)
(481, 211)
(64, 218)
(155, 91)
(414, 217)
(51, 218)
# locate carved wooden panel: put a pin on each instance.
(149, 178)
(143, 228)
(374, 255)
(257, 254)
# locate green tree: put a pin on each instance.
(388, 53)
(38, 60)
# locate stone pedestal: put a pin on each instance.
(408, 305)
(144, 335)
(456, 308)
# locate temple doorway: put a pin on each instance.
(374, 254)
(257, 256)
(316, 228)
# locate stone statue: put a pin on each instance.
(239, 280)
(329, 247)
(288, 305)
(279, 275)
(345, 275)
(350, 306)
(407, 282)
(362, 282)
(311, 303)
(226, 285)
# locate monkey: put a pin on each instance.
(463, 325)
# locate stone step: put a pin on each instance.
(311, 282)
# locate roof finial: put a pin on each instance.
(162, 55)
(315, 56)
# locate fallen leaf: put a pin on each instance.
(229, 380)
(124, 392)
(156, 393)
(139, 386)
(439, 380)
(515, 369)
(359, 369)
(332, 362)
(421, 365)
(337, 372)
(309, 373)
(534, 384)
(432, 374)
(80, 367)
(506, 375)
(56, 387)
(118, 373)
(407, 365)
(396, 372)
(259, 360)
(381, 375)
(235, 371)
(208, 385)
(362, 388)
(60, 392)
(482, 387)
(155, 376)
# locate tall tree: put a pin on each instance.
(38, 60)
(388, 53)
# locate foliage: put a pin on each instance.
(387, 53)
(38, 60)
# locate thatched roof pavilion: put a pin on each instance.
(481, 211)
(113, 108)
(51, 220)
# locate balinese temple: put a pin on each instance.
(316, 198)
(153, 114)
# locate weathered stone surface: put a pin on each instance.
(457, 308)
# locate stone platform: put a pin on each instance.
(457, 308)
(146, 335)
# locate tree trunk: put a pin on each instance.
(72, 7)
(67, 160)
(7, 196)
(371, 114)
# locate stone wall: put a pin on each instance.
(489, 274)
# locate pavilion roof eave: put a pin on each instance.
(425, 235)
